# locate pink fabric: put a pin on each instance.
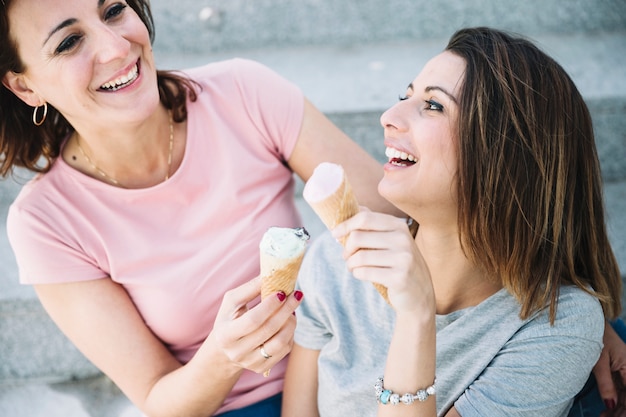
(178, 246)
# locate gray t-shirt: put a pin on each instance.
(489, 362)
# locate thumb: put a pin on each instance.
(235, 301)
(604, 378)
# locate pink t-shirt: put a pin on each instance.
(178, 246)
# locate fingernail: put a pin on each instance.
(294, 313)
(610, 404)
(298, 294)
(281, 296)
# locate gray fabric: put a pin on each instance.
(489, 362)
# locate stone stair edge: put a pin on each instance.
(220, 26)
(366, 77)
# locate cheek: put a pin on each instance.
(446, 147)
(65, 86)
(137, 31)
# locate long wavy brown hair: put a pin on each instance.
(22, 144)
(531, 209)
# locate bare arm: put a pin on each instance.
(321, 141)
(300, 392)
(101, 320)
(379, 248)
(610, 373)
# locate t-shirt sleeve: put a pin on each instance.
(43, 253)
(273, 104)
(317, 280)
(558, 359)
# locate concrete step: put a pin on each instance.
(209, 26)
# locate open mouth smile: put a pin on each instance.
(399, 158)
(122, 81)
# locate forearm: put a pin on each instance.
(301, 384)
(411, 363)
(192, 390)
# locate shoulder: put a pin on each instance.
(548, 362)
(578, 315)
(36, 196)
(322, 264)
(235, 69)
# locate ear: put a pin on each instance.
(17, 84)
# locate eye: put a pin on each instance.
(114, 11)
(433, 105)
(402, 98)
(68, 44)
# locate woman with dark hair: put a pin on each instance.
(502, 289)
(140, 232)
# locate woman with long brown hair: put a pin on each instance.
(497, 302)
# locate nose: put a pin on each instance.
(110, 45)
(394, 117)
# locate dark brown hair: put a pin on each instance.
(530, 197)
(22, 144)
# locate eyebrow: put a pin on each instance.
(63, 24)
(66, 23)
(433, 88)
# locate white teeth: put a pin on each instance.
(121, 81)
(393, 153)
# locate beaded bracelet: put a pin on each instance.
(385, 396)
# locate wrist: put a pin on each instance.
(386, 396)
(421, 316)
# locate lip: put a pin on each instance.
(121, 73)
(398, 146)
(390, 167)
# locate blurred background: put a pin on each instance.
(351, 58)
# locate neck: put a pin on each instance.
(457, 282)
(144, 157)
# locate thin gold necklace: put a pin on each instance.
(116, 182)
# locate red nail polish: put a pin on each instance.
(298, 294)
(610, 404)
(294, 313)
(281, 296)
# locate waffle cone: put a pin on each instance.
(279, 274)
(337, 208)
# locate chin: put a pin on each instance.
(391, 192)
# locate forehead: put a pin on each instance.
(41, 16)
(48, 10)
(445, 70)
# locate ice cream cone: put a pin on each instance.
(330, 195)
(337, 207)
(281, 253)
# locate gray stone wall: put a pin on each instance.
(192, 26)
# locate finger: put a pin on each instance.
(264, 320)
(367, 220)
(237, 298)
(622, 373)
(276, 347)
(395, 240)
(372, 258)
(604, 378)
(359, 240)
(240, 338)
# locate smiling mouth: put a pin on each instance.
(122, 81)
(399, 158)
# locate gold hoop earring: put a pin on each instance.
(43, 116)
